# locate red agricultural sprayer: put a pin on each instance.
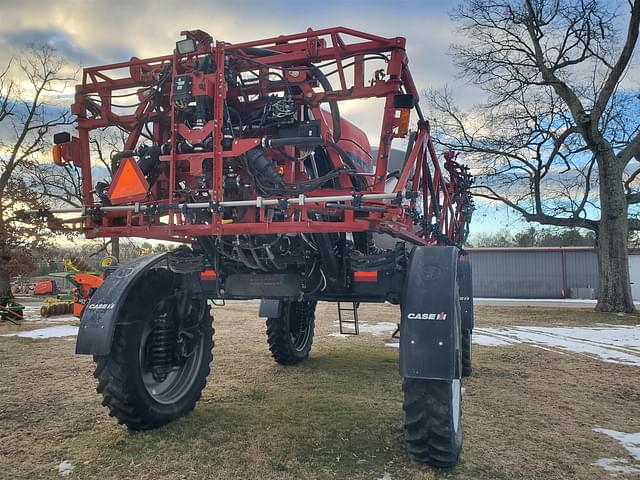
(240, 152)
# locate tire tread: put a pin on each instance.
(278, 337)
(116, 382)
(428, 431)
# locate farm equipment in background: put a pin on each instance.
(56, 306)
(45, 287)
(230, 151)
(85, 282)
(10, 310)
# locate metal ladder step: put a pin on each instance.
(353, 309)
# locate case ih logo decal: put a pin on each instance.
(427, 316)
(101, 306)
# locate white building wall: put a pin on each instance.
(634, 274)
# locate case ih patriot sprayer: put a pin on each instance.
(239, 151)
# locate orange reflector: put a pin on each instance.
(56, 154)
(365, 276)
(403, 124)
(129, 183)
(208, 274)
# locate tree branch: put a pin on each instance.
(620, 66)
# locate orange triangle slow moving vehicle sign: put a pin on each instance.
(129, 184)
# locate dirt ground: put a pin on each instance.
(528, 413)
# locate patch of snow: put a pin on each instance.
(381, 328)
(65, 468)
(615, 344)
(533, 300)
(377, 329)
(630, 441)
(386, 476)
(49, 332)
(54, 319)
(615, 465)
(488, 339)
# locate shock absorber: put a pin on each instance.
(163, 346)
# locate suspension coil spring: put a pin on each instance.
(163, 346)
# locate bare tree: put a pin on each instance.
(557, 137)
(29, 86)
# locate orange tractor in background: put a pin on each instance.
(85, 284)
(84, 280)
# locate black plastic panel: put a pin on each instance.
(430, 315)
(100, 315)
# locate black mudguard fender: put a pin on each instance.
(430, 315)
(465, 280)
(270, 308)
(98, 321)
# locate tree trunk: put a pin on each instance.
(5, 278)
(115, 248)
(5, 284)
(614, 288)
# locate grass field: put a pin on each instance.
(528, 413)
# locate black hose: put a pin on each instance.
(339, 206)
(124, 154)
(278, 142)
(319, 76)
(419, 111)
(358, 183)
(329, 259)
(333, 105)
(259, 52)
(263, 166)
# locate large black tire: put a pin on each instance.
(290, 335)
(467, 349)
(433, 428)
(129, 391)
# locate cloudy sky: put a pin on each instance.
(98, 32)
(92, 32)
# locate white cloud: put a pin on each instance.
(94, 32)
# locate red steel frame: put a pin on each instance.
(421, 172)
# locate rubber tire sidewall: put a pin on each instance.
(429, 422)
(124, 361)
(279, 339)
(467, 352)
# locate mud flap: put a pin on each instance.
(99, 317)
(465, 280)
(270, 308)
(430, 315)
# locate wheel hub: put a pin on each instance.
(169, 356)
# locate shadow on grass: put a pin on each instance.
(338, 415)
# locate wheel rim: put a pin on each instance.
(455, 403)
(178, 381)
(300, 326)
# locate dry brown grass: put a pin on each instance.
(494, 316)
(528, 413)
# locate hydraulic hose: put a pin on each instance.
(333, 105)
(124, 154)
(319, 76)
